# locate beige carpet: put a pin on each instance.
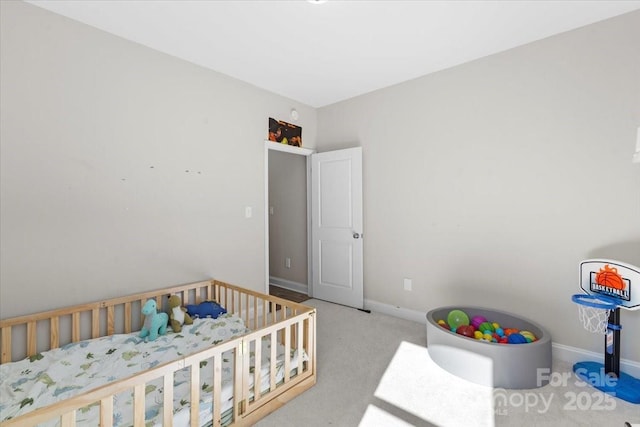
(374, 370)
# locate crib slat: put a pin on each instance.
(294, 336)
(95, 323)
(217, 390)
(106, 412)
(68, 419)
(110, 320)
(300, 327)
(265, 306)
(142, 302)
(127, 317)
(167, 407)
(257, 371)
(31, 338)
(245, 358)
(138, 405)
(238, 407)
(195, 394)
(255, 312)
(287, 353)
(75, 327)
(54, 331)
(273, 312)
(272, 364)
(6, 345)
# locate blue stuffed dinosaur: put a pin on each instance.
(205, 309)
(154, 323)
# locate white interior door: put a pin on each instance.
(336, 227)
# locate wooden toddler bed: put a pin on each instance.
(233, 370)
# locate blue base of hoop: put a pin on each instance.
(625, 387)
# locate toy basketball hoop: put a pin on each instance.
(607, 287)
(594, 311)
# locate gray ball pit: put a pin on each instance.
(508, 366)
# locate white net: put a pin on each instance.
(593, 319)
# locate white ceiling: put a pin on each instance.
(319, 54)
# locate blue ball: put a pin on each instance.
(516, 339)
(500, 332)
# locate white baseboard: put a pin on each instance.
(396, 311)
(289, 284)
(572, 355)
(560, 351)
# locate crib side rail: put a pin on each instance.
(247, 404)
(299, 334)
(25, 336)
(65, 410)
(256, 309)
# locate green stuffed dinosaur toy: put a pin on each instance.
(154, 323)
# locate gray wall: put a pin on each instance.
(123, 169)
(486, 183)
(489, 182)
(288, 224)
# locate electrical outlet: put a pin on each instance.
(407, 284)
(287, 262)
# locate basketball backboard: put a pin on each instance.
(611, 278)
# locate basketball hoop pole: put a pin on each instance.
(612, 344)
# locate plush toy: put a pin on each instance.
(154, 323)
(178, 315)
(205, 309)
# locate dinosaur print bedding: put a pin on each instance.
(75, 368)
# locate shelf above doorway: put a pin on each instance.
(288, 148)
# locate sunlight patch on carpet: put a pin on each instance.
(416, 385)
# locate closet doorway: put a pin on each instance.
(334, 223)
(287, 220)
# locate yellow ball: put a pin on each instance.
(495, 325)
(488, 337)
(527, 334)
(478, 335)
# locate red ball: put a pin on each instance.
(466, 330)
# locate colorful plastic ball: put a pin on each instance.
(466, 330)
(488, 337)
(499, 331)
(516, 338)
(443, 324)
(495, 325)
(528, 335)
(485, 327)
(478, 335)
(477, 320)
(457, 318)
(510, 331)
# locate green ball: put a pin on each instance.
(457, 318)
(485, 327)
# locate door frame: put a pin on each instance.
(307, 152)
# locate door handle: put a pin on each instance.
(356, 236)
